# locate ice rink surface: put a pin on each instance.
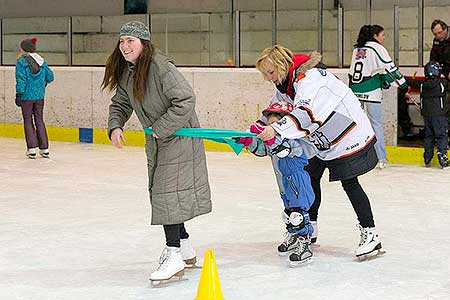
(76, 226)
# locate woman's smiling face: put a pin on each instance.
(130, 47)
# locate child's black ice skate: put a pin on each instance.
(443, 160)
(288, 245)
(302, 254)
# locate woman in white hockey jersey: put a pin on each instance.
(371, 70)
(328, 116)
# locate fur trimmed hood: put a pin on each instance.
(314, 59)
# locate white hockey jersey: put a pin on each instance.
(326, 114)
(371, 67)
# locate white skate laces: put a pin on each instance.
(163, 259)
(362, 236)
(288, 244)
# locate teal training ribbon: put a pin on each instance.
(224, 136)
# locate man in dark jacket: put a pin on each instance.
(434, 110)
(440, 52)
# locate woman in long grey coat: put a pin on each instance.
(146, 82)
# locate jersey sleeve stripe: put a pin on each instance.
(344, 133)
(311, 115)
(298, 124)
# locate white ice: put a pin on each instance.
(76, 226)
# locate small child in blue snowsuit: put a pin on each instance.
(288, 160)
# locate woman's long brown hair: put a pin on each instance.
(116, 65)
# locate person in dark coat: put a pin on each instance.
(148, 83)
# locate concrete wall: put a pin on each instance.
(226, 98)
(206, 38)
(35, 8)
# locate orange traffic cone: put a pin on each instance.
(209, 285)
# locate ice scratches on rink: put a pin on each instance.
(75, 226)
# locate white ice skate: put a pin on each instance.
(302, 254)
(369, 244)
(188, 253)
(31, 153)
(288, 245)
(170, 264)
(382, 164)
(315, 233)
(44, 153)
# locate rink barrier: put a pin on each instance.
(395, 154)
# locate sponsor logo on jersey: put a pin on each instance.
(352, 146)
(303, 102)
(361, 53)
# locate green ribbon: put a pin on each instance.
(224, 136)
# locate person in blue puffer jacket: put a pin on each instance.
(32, 77)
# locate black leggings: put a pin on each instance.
(174, 233)
(355, 194)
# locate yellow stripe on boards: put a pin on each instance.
(395, 154)
(407, 156)
(63, 134)
(12, 131)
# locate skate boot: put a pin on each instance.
(302, 254)
(443, 160)
(170, 264)
(382, 164)
(31, 153)
(188, 253)
(315, 233)
(369, 244)
(288, 245)
(44, 153)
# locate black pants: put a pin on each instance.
(174, 233)
(352, 188)
(435, 129)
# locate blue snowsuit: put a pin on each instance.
(293, 181)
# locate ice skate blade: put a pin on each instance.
(369, 256)
(175, 278)
(284, 254)
(295, 264)
(192, 267)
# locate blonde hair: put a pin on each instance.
(278, 56)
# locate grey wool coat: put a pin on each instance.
(177, 173)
